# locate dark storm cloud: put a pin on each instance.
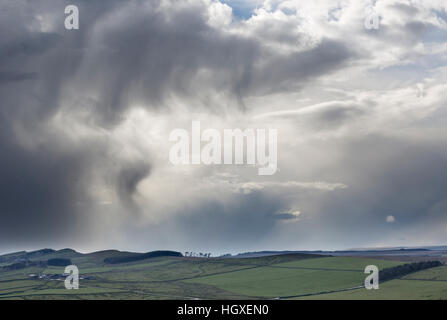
(141, 53)
(38, 190)
(128, 179)
(6, 77)
(43, 196)
(31, 43)
(387, 175)
(289, 71)
(126, 52)
(147, 55)
(247, 219)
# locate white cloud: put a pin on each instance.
(390, 219)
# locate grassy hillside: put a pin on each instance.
(435, 274)
(392, 290)
(296, 277)
(286, 276)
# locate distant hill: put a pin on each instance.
(24, 255)
(41, 257)
(143, 256)
(63, 257)
(408, 251)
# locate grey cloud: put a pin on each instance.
(32, 43)
(247, 219)
(12, 76)
(128, 179)
(335, 116)
(406, 35)
(44, 187)
(145, 57)
(406, 9)
(38, 191)
(129, 53)
(326, 116)
(284, 216)
(340, 115)
(294, 70)
(388, 176)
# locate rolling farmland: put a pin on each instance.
(288, 276)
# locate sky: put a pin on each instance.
(85, 119)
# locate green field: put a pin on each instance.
(392, 290)
(438, 274)
(284, 276)
(295, 278)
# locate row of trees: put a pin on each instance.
(59, 262)
(402, 270)
(142, 256)
(197, 254)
